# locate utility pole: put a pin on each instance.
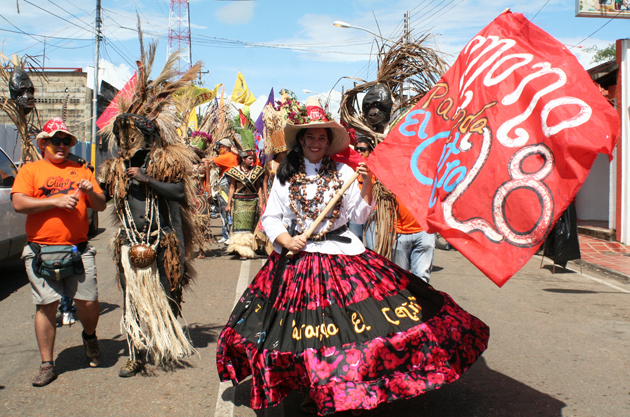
(97, 44)
(407, 28)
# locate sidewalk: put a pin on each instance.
(610, 257)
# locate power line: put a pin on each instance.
(42, 36)
(419, 4)
(416, 13)
(54, 4)
(543, 6)
(120, 54)
(145, 17)
(20, 30)
(57, 16)
(600, 28)
(161, 9)
(121, 44)
(429, 15)
(442, 11)
(83, 10)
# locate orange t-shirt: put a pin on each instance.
(43, 179)
(225, 162)
(407, 224)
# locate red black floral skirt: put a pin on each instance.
(352, 331)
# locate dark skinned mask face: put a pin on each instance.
(22, 90)
(377, 105)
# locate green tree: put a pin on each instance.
(609, 53)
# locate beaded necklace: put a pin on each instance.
(142, 253)
(328, 178)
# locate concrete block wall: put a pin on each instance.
(50, 94)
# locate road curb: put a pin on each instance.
(625, 278)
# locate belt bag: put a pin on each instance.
(55, 261)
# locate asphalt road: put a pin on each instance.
(559, 346)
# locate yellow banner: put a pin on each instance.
(203, 95)
(192, 119)
(241, 93)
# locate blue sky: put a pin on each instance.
(276, 44)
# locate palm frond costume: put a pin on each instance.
(20, 106)
(407, 71)
(157, 234)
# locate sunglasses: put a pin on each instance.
(362, 149)
(59, 141)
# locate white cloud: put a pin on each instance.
(237, 13)
(114, 75)
(257, 106)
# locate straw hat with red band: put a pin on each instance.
(316, 118)
(54, 125)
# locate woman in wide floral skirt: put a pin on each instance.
(338, 322)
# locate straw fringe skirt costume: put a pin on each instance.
(152, 261)
(344, 324)
(244, 210)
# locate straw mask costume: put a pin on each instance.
(20, 107)
(22, 90)
(377, 107)
(151, 191)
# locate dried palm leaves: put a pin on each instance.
(409, 70)
(154, 98)
(27, 125)
(415, 64)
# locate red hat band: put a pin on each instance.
(316, 113)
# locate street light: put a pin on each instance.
(323, 96)
(328, 98)
(345, 25)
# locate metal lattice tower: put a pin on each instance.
(179, 34)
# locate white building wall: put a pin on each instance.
(625, 143)
(592, 201)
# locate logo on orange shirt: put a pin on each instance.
(57, 185)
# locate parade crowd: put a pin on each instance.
(331, 313)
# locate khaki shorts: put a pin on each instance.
(80, 286)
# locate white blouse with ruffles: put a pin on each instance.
(278, 214)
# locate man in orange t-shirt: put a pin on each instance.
(414, 248)
(54, 193)
(226, 160)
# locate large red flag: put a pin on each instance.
(112, 108)
(496, 151)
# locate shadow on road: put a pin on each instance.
(480, 392)
(107, 307)
(13, 278)
(73, 359)
(571, 291)
(203, 335)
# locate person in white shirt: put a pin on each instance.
(337, 320)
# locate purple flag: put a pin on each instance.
(259, 122)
